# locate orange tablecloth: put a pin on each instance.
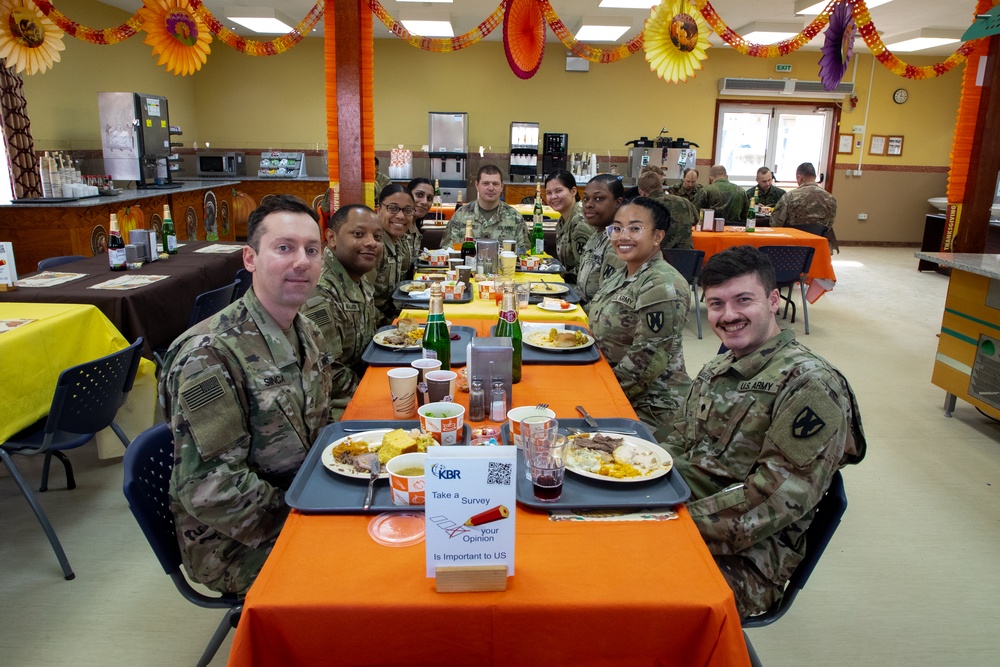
(585, 593)
(821, 276)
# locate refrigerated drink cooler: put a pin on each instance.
(449, 152)
(135, 137)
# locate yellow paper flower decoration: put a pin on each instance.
(177, 35)
(28, 39)
(676, 37)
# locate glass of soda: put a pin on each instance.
(545, 451)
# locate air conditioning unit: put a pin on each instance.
(792, 88)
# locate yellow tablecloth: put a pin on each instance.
(63, 335)
(480, 309)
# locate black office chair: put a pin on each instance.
(206, 304)
(688, 264)
(791, 265)
(148, 464)
(244, 279)
(51, 262)
(829, 511)
(86, 399)
(825, 232)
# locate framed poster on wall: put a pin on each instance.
(845, 144)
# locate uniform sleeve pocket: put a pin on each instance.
(212, 414)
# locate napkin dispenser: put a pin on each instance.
(487, 350)
(145, 242)
(488, 256)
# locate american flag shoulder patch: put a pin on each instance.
(203, 393)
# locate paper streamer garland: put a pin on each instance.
(114, 35)
(435, 44)
(591, 53)
(251, 47)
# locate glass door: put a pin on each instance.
(757, 134)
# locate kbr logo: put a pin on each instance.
(441, 471)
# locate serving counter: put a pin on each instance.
(967, 364)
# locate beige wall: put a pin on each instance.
(238, 101)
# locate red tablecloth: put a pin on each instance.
(821, 276)
(585, 593)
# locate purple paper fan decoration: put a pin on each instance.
(839, 45)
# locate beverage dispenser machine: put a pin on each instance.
(449, 147)
(555, 147)
(135, 136)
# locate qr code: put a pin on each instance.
(499, 473)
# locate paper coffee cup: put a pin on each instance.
(403, 389)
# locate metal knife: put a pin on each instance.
(376, 468)
(591, 422)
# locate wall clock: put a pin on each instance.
(900, 96)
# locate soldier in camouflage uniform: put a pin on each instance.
(689, 188)
(491, 218)
(343, 305)
(683, 214)
(766, 192)
(246, 393)
(572, 232)
(395, 211)
(807, 204)
(729, 201)
(381, 180)
(638, 316)
(601, 199)
(761, 433)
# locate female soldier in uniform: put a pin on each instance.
(423, 198)
(601, 199)
(572, 232)
(395, 212)
(639, 313)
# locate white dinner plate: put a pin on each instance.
(379, 339)
(549, 289)
(534, 339)
(663, 459)
(348, 470)
(557, 309)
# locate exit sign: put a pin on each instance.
(782, 68)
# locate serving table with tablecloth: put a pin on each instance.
(584, 593)
(60, 336)
(821, 277)
(159, 311)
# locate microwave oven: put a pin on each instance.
(221, 164)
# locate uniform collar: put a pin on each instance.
(277, 344)
(752, 364)
(334, 267)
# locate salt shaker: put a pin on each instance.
(498, 402)
(477, 401)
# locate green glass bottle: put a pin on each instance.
(537, 231)
(437, 341)
(168, 232)
(509, 326)
(469, 245)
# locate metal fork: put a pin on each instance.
(542, 406)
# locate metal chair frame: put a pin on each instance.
(829, 512)
(791, 265)
(821, 230)
(688, 263)
(148, 464)
(86, 399)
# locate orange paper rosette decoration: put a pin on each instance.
(524, 37)
(177, 35)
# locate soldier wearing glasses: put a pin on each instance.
(639, 313)
(395, 212)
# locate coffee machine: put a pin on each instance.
(449, 146)
(135, 137)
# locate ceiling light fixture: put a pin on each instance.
(811, 7)
(427, 23)
(769, 32)
(262, 20)
(918, 40)
(603, 28)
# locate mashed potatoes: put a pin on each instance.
(627, 461)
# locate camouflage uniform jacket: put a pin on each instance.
(729, 201)
(244, 408)
(506, 223)
(757, 440)
(393, 267)
(597, 261)
(638, 322)
(414, 239)
(572, 235)
(807, 204)
(683, 218)
(681, 190)
(769, 198)
(345, 313)
(381, 180)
